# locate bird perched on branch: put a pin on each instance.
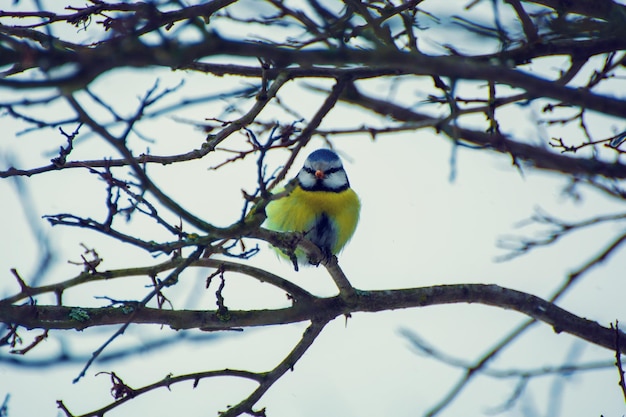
(322, 205)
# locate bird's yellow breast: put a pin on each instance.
(298, 212)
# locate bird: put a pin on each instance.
(321, 205)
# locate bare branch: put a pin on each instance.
(618, 359)
(60, 317)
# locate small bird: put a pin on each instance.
(322, 205)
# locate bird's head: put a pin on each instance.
(323, 171)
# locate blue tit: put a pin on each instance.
(322, 205)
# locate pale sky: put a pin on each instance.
(417, 228)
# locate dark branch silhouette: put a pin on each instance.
(405, 66)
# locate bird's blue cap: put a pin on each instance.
(323, 155)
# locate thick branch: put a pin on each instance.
(602, 9)
(61, 317)
(109, 55)
(538, 156)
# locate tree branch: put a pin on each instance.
(64, 317)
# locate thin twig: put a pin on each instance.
(309, 336)
(171, 278)
(618, 358)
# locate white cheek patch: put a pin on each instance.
(306, 180)
(336, 180)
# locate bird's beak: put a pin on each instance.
(319, 174)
